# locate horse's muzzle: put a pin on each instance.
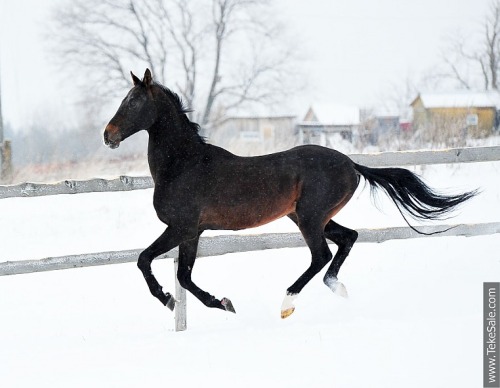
(112, 137)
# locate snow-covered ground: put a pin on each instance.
(413, 318)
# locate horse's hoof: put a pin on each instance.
(341, 290)
(287, 307)
(227, 305)
(337, 287)
(171, 302)
(286, 313)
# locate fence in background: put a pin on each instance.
(382, 159)
(211, 246)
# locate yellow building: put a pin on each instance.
(476, 113)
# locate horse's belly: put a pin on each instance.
(245, 216)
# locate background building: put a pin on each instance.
(255, 135)
(322, 121)
(474, 113)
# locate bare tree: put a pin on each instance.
(472, 66)
(490, 60)
(216, 54)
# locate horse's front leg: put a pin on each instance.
(187, 257)
(171, 238)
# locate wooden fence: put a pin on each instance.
(211, 246)
(383, 159)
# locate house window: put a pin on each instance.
(249, 130)
(471, 120)
(268, 132)
(250, 135)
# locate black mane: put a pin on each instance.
(182, 109)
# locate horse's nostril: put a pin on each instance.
(112, 137)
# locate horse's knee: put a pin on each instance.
(144, 262)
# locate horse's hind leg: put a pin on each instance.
(345, 239)
(187, 257)
(320, 256)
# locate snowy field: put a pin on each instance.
(413, 318)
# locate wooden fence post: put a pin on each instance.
(180, 297)
(6, 162)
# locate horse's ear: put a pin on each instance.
(136, 80)
(147, 78)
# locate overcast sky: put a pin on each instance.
(355, 50)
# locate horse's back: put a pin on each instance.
(299, 155)
(293, 165)
(310, 152)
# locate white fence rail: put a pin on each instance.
(411, 158)
(123, 183)
(383, 159)
(211, 246)
(221, 245)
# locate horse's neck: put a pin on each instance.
(171, 145)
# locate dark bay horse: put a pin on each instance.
(199, 186)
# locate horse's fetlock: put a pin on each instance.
(212, 301)
(157, 292)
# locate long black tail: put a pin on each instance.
(411, 194)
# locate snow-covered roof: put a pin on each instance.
(462, 99)
(332, 114)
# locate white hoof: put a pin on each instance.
(340, 290)
(287, 307)
(336, 286)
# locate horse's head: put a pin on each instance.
(136, 112)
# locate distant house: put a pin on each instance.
(255, 135)
(323, 120)
(476, 112)
(377, 127)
